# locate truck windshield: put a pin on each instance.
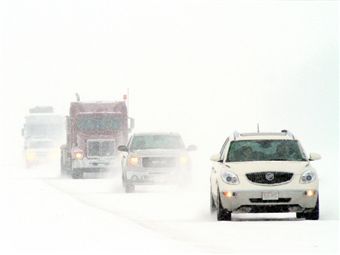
(39, 144)
(146, 142)
(88, 123)
(265, 150)
(44, 126)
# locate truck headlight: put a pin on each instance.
(308, 177)
(133, 161)
(79, 155)
(229, 177)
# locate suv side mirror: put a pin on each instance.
(192, 147)
(215, 158)
(314, 156)
(123, 148)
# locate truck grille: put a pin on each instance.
(100, 148)
(159, 162)
(269, 177)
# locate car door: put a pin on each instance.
(215, 168)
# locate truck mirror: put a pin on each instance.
(123, 148)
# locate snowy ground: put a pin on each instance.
(45, 214)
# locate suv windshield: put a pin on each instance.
(156, 142)
(265, 150)
(88, 123)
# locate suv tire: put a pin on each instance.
(212, 203)
(77, 174)
(312, 215)
(222, 214)
(129, 188)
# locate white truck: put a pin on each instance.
(43, 134)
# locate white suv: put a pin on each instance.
(264, 172)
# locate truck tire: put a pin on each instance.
(311, 215)
(77, 174)
(63, 171)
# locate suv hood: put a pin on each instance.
(296, 167)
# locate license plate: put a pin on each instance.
(270, 195)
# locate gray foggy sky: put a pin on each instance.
(204, 68)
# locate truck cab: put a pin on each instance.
(43, 133)
(94, 130)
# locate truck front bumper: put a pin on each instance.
(95, 164)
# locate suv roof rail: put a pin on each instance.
(236, 134)
(287, 132)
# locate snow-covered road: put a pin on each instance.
(43, 213)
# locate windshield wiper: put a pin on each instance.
(279, 159)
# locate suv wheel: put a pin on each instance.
(129, 188)
(212, 203)
(312, 215)
(77, 174)
(222, 214)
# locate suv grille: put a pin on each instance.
(159, 162)
(260, 200)
(100, 148)
(269, 177)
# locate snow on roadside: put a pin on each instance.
(183, 216)
(38, 219)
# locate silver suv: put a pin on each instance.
(155, 158)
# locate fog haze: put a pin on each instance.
(201, 68)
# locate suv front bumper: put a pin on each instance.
(250, 197)
(156, 176)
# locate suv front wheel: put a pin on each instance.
(311, 215)
(212, 203)
(222, 214)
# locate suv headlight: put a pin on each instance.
(183, 160)
(308, 177)
(229, 178)
(133, 161)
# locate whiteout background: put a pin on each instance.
(202, 68)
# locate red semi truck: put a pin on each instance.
(94, 130)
